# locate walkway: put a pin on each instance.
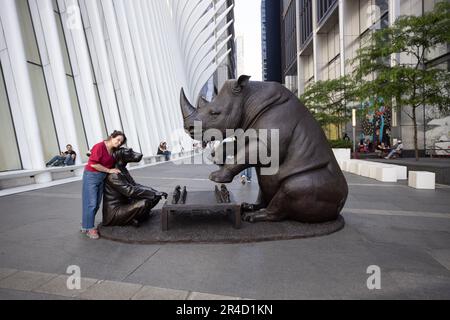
(406, 232)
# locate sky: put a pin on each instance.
(247, 24)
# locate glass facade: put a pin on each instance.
(289, 44)
(94, 70)
(39, 88)
(9, 155)
(306, 23)
(323, 7)
(76, 111)
(47, 55)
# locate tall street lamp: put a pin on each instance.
(354, 129)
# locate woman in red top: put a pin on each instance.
(101, 162)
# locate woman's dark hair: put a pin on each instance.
(116, 134)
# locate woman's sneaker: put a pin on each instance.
(92, 234)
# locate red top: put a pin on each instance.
(100, 155)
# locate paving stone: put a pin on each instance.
(442, 256)
(422, 286)
(58, 286)
(5, 272)
(154, 293)
(26, 280)
(111, 290)
(208, 296)
(10, 294)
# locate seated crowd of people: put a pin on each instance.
(381, 149)
(68, 157)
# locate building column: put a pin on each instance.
(55, 74)
(82, 71)
(128, 117)
(174, 71)
(394, 13)
(300, 69)
(94, 30)
(172, 106)
(151, 80)
(164, 85)
(150, 99)
(154, 66)
(18, 85)
(342, 32)
(317, 45)
(143, 125)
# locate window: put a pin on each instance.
(323, 7)
(289, 40)
(305, 20)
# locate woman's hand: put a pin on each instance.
(114, 171)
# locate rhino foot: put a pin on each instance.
(246, 207)
(221, 176)
(257, 216)
(250, 207)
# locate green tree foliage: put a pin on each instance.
(327, 100)
(393, 65)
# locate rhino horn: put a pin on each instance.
(186, 108)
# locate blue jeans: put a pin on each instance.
(167, 154)
(248, 173)
(69, 161)
(59, 160)
(93, 183)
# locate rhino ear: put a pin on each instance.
(241, 83)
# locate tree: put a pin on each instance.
(407, 81)
(327, 101)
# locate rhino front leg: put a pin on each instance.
(227, 172)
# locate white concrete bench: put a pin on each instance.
(342, 154)
(375, 170)
(353, 167)
(402, 172)
(67, 171)
(344, 165)
(365, 170)
(386, 174)
(422, 180)
(11, 179)
(153, 159)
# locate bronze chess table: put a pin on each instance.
(201, 202)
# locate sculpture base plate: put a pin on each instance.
(214, 229)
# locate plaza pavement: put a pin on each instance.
(406, 232)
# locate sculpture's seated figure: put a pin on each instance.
(124, 201)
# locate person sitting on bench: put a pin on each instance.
(396, 150)
(66, 158)
(382, 150)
